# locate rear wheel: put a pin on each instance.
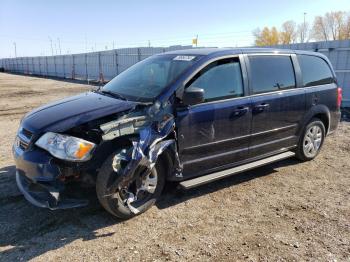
(133, 197)
(311, 141)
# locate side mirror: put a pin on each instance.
(193, 95)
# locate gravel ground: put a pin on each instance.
(285, 211)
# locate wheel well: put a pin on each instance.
(107, 148)
(167, 160)
(324, 119)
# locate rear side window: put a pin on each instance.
(271, 73)
(220, 80)
(315, 71)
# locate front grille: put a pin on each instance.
(23, 139)
(22, 145)
(27, 133)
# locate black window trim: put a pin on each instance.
(294, 66)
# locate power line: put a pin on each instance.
(213, 39)
(206, 35)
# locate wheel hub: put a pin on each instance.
(312, 141)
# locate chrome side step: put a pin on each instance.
(232, 171)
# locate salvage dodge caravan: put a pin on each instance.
(191, 116)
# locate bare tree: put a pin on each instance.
(345, 30)
(320, 30)
(331, 26)
(288, 32)
(348, 26)
(303, 32)
(335, 22)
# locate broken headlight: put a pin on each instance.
(66, 147)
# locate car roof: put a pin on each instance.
(228, 51)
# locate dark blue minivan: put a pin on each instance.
(192, 116)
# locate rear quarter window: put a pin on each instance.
(315, 71)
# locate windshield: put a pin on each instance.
(147, 79)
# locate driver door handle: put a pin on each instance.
(241, 110)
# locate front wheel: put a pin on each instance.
(311, 141)
(136, 196)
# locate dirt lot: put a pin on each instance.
(285, 211)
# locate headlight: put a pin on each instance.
(66, 147)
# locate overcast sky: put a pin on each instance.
(82, 26)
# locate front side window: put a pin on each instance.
(145, 80)
(271, 73)
(220, 80)
(315, 71)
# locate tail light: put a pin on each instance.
(340, 97)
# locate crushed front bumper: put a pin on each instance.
(45, 196)
(37, 179)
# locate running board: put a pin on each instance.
(188, 184)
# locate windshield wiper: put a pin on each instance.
(113, 94)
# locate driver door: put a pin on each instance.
(215, 134)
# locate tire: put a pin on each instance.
(115, 205)
(311, 140)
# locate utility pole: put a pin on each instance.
(59, 45)
(304, 28)
(149, 43)
(51, 45)
(86, 48)
(14, 44)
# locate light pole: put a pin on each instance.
(59, 45)
(14, 44)
(51, 45)
(304, 28)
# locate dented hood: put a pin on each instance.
(73, 111)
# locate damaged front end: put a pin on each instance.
(150, 130)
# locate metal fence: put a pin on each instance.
(103, 66)
(95, 66)
(338, 53)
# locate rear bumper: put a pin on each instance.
(37, 179)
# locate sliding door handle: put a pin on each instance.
(262, 107)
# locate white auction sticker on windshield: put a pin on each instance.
(184, 58)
